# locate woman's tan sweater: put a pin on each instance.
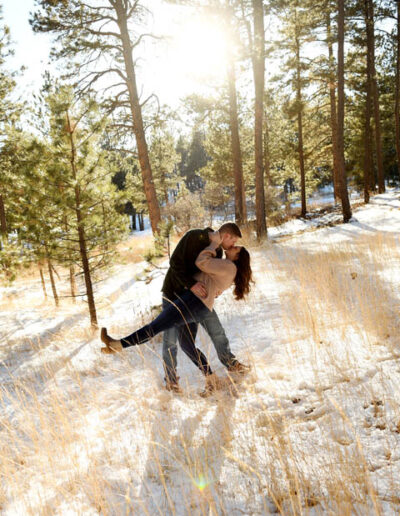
(217, 274)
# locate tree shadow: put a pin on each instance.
(19, 353)
(185, 456)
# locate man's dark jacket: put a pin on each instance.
(182, 266)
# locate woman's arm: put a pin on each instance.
(207, 261)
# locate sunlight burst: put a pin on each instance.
(200, 49)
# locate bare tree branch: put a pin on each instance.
(137, 42)
(148, 98)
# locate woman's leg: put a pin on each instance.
(187, 337)
(185, 310)
(215, 330)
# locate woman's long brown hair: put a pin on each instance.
(244, 275)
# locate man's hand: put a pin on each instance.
(215, 238)
(199, 289)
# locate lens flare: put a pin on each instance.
(201, 483)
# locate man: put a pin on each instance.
(180, 277)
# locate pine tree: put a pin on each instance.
(10, 183)
(258, 61)
(78, 183)
(9, 113)
(332, 100)
(164, 159)
(99, 34)
(196, 158)
(217, 173)
(237, 162)
(33, 217)
(295, 32)
(213, 115)
(370, 24)
(323, 72)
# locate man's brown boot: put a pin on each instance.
(213, 383)
(173, 386)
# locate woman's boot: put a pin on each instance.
(113, 345)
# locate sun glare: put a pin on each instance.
(200, 49)
(189, 58)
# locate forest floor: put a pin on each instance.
(313, 429)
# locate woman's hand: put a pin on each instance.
(199, 289)
(215, 238)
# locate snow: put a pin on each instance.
(313, 429)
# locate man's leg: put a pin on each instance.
(213, 327)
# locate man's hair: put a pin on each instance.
(231, 228)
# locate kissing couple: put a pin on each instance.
(197, 274)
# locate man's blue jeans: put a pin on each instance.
(213, 327)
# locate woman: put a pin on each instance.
(217, 275)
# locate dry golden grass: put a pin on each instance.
(297, 437)
(133, 250)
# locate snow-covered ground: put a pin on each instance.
(314, 429)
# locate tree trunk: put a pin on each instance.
(259, 81)
(166, 198)
(3, 220)
(72, 282)
(136, 110)
(368, 162)
(368, 173)
(43, 282)
(267, 158)
(286, 199)
(103, 212)
(397, 97)
(267, 163)
(342, 180)
(85, 261)
(301, 162)
(299, 101)
(81, 231)
(240, 196)
(332, 98)
(164, 185)
(134, 227)
(141, 221)
(71, 267)
(53, 284)
(55, 272)
(375, 95)
(369, 180)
